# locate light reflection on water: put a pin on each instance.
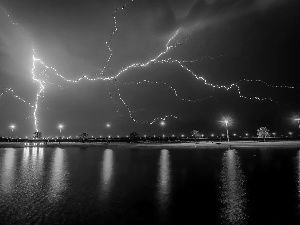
(164, 179)
(107, 173)
(51, 186)
(58, 175)
(233, 194)
(298, 177)
(8, 170)
(32, 168)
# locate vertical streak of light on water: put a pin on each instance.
(298, 177)
(41, 154)
(107, 173)
(233, 194)
(58, 177)
(25, 169)
(32, 168)
(33, 159)
(26, 153)
(8, 170)
(36, 165)
(39, 164)
(164, 180)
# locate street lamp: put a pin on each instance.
(12, 127)
(60, 127)
(297, 118)
(108, 125)
(227, 122)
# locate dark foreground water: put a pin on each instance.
(95, 185)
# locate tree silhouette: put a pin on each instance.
(195, 134)
(82, 137)
(263, 132)
(134, 136)
(37, 135)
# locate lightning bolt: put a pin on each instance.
(12, 92)
(170, 87)
(42, 79)
(40, 91)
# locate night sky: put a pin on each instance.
(231, 41)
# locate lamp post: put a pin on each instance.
(298, 120)
(226, 122)
(12, 127)
(60, 127)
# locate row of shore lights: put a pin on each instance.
(13, 127)
(226, 121)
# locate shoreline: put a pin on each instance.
(206, 144)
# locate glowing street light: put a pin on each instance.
(162, 123)
(60, 127)
(227, 122)
(12, 127)
(108, 125)
(297, 119)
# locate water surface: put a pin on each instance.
(97, 185)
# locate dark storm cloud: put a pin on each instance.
(255, 37)
(169, 15)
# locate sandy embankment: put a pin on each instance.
(206, 144)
